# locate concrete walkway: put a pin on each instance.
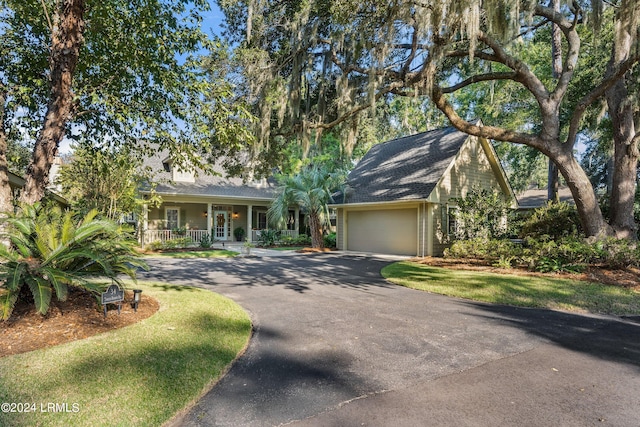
(336, 345)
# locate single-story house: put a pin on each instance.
(195, 204)
(398, 198)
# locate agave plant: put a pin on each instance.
(48, 251)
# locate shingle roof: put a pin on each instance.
(206, 184)
(403, 169)
(534, 197)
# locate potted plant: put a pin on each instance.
(245, 250)
(239, 233)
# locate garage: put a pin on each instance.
(387, 231)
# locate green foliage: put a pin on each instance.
(310, 189)
(555, 220)
(330, 240)
(239, 233)
(205, 241)
(158, 245)
(269, 237)
(51, 250)
(545, 254)
(300, 240)
(481, 214)
(105, 179)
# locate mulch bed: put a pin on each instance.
(80, 316)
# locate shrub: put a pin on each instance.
(301, 240)
(269, 237)
(481, 214)
(205, 241)
(330, 240)
(158, 245)
(51, 250)
(555, 220)
(239, 233)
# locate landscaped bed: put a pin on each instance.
(139, 375)
(518, 288)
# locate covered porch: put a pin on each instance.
(221, 220)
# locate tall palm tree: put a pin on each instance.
(51, 250)
(310, 189)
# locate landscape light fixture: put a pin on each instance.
(136, 299)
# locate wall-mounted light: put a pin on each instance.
(235, 215)
(205, 214)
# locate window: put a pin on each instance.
(291, 220)
(452, 221)
(262, 220)
(172, 216)
(182, 176)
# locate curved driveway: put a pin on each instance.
(336, 345)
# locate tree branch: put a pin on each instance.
(597, 92)
(490, 132)
(480, 78)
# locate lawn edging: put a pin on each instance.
(144, 374)
(516, 290)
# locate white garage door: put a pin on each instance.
(388, 231)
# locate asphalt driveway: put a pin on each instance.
(336, 345)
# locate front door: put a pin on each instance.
(220, 225)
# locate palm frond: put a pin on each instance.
(7, 303)
(41, 291)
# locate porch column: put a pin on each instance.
(296, 220)
(249, 224)
(209, 221)
(145, 223)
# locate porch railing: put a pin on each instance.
(196, 235)
(164, 235)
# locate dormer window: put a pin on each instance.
(178, 174)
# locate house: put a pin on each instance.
(17, 183)
(533, 198)
(195, 204)
(398, 199)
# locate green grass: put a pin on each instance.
(221, 253)
(139, 375)
(523, 291)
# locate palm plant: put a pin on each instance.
(310, 189)
(49, 250)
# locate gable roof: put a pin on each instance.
(219, 185)
(403, 169)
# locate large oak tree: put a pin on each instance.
(333, 62)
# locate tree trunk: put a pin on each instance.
(625, 156)
(6, 199)
(591, 218)
(556, 62)
(317, 241)
(66, 40)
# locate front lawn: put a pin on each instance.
(523, 291)
(139, 375)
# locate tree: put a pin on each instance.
(311, 189)
(107, 180)
(115, 73)
(366, 52)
